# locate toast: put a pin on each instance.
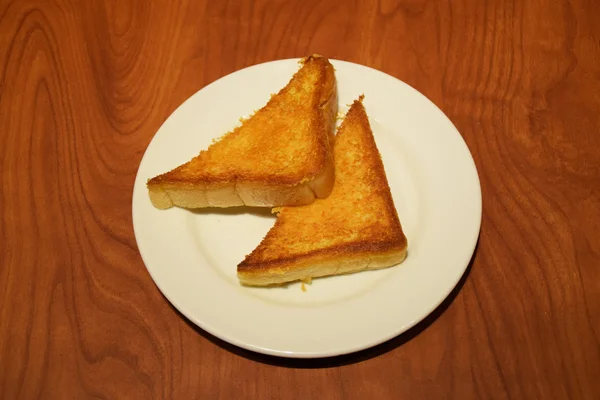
(356, 228)
(281, 155)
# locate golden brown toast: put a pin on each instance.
(281, 155)
(355, 228)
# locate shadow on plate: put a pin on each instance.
(336, 361)
(256, 211)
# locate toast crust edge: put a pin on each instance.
(339, 260)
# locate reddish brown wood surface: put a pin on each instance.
(84, 85)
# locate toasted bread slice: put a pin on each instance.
(355, 228)
(281, 155)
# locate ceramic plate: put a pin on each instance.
(192, 255)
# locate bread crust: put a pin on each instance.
(169, 189)
(231, 194)
(340, 260)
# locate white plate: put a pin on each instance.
(192, 256)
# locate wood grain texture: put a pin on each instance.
(84, 85)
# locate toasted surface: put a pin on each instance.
(281, 155)
(355, 228)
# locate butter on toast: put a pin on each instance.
(281, 155)
(355, 228)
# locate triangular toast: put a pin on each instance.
(281, 155)
(355, 228)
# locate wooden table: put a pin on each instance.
(84, 85)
